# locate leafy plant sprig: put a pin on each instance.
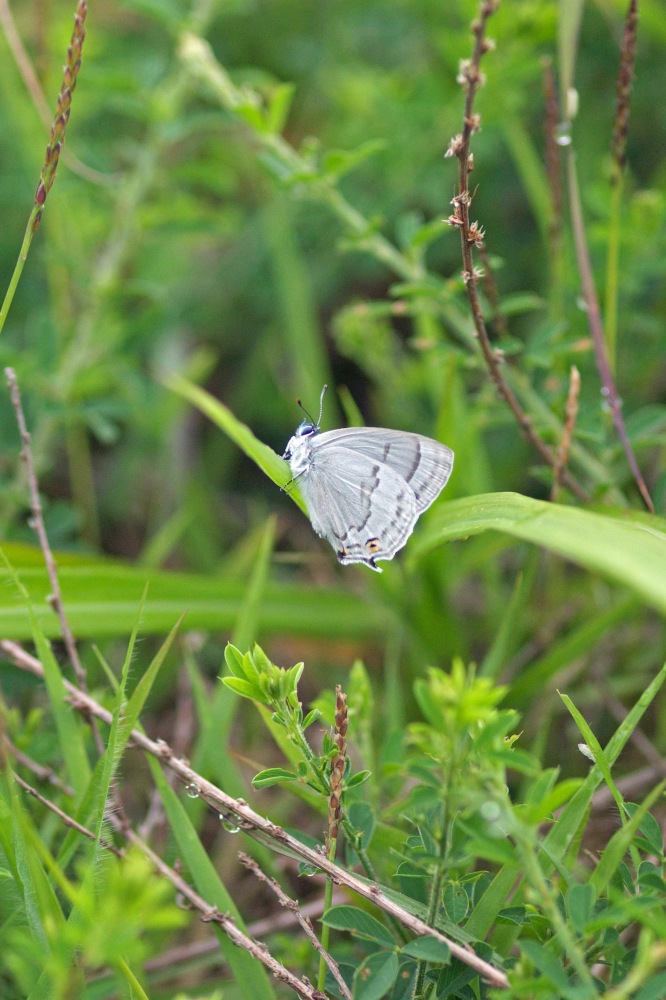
(255, 677)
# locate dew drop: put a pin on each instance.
(229, 824)
(309, 870)
(563, 134)
(192, 791)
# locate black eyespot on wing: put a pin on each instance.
(373, 545)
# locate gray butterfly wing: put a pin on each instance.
(363, 507)
(424, 464)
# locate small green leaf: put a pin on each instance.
(546, 962)
(234, 660)
(252, 115)
(273, 776)
(428, 949)
(650, 829)
(358, 922)
(512, 915)
(311, 718)
(456, 902)
(279, 106)
(243, 688)
(375, 976)
(580, 901)
(358, 779)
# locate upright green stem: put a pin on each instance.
(18, 269)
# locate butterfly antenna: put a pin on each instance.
(321, 407)
(321, 403)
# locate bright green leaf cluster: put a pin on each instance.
(255, 677)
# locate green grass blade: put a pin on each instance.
(626, 547)
(101, 597)
(246, 628)
(562, 835)
(620, 843)
(271, 464)
(144, 686)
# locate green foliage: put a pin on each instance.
(250, 204)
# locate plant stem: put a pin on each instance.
(596, 327)
(18, 268)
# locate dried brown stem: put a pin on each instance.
(67, 820)
(570, 417)
(305, 923)
(39, 770)
(472, 235)
(38, 526)
(609, 388)
(257, 825)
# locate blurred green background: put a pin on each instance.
(179, 241)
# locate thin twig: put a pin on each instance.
(609, 388)
(570, 416)
(68, 821)
(472, 235)
(39, 770)
(305, 923)
(55, 598)
(256, 825)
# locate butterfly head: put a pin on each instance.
(299, 442)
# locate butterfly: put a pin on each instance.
(365, 487)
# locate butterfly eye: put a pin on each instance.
(305, 428)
